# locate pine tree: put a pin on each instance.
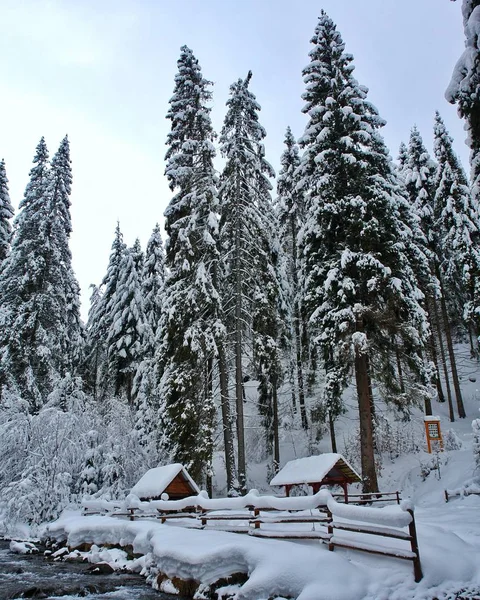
(458, 230)
(100, 321)
(360, 289)
(59, 191)
(125, 334)
(291, 214)
(191, 326)
(246, 234)
(153, 280)
(6, 214)
(419, 173)
(32, 296)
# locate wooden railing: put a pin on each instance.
(317, 517)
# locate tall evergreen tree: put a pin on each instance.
(458, 230)
(6, 215)
(153, 280)
(191, 326)
(100, 321)
(34, 287)
(419, 173)
(59, 191)
(246, 234)
(291, 214)
(360, 289)
(125, 334)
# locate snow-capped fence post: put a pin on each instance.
(417, 567)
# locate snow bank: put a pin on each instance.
(273, 567)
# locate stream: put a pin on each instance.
(33, 576)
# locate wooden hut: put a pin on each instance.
(173, 480)
(315, 471)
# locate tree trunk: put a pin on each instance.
(296, 321)
(433, 349)
(276, 439)
(242, 474)
(444, 363)
(333, 439)
(226, 419)
(451, 354)
(400, 369)
(369, 473)
(453, 361)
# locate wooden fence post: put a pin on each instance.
(330, 530)
(417, 567)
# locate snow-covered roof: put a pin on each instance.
(428, 418)
(156, 480)
(313, 469)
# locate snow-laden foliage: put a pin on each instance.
(65, 451)
(476, 442)
(361, 294)
(191, 329)
(464, 87)
(250, 287)
(40, 332)
(291, 213)
(100, 321)
(125, 334)
(6, 214)
(458, 232)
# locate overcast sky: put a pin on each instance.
(102, 71)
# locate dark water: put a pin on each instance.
(32, 576)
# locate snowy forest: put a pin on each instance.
(267, 301)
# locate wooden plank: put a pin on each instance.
(383, 531)
(289, 535)
(293, 519)
(232, 517)
(373, 549)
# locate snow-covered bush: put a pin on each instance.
(476, 442)
(451, 441)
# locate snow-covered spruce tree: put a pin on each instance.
(191, 326)
(458, 229)
(100, 320)
(6, 215)
(291, 213)
(360, 289)
(247, 240)
(125, 334)
(465, 85)
(419, 173)
(59, 191)
(153, 281)
(33, 336)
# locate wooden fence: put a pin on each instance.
(326, 521)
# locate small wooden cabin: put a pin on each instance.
(173, 480)
(315, 471)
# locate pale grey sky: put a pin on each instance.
(102, 71)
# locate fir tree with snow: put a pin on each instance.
(125, 334)
(458, 230)
(34, 330)
(464, 86)
(247, 232)
(153, 280)
(291, 214)
(6, 214)
(360, 290)
(191, 327)
(100, 320)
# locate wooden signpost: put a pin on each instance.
(433, 432)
